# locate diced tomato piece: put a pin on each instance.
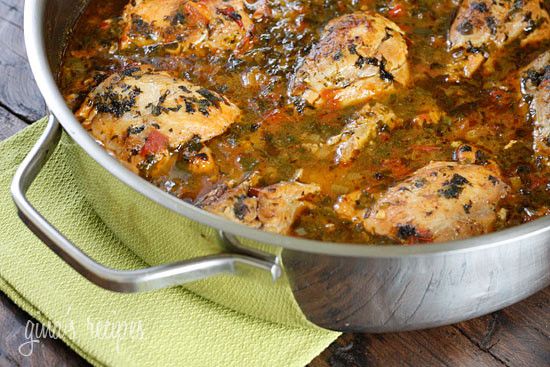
(301, 25)
(105, 25)
(384, 136)
(424, 236)
(156, 141)
(274, 117)
(423, 117)
(497, 95)
(396, 11)
(537, 181)
(328, 95)
(246, 43)
(232, 14)
(500, 98)
(197, 13)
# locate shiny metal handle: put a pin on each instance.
(127, 281)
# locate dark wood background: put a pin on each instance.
(516, 336)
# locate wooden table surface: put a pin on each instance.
(516, 336)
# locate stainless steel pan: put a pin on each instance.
(337, 286)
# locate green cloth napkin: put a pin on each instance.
(170, 327)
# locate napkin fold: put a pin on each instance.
(169, 327)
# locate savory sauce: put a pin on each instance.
(278, 136)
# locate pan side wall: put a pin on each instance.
(407, 293)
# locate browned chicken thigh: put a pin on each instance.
(440, 202)
(535, 85)
(359, 56)
(186, 25)
(360, 130)
(482, 26)
(143, 116)
(273, 208)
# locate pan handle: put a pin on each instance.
(126, 281)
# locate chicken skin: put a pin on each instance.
(441, 202)
(361, 129)
(359, 56)
(273, 208)
(180, 26)
(143, 117)
(484, 26)
(535, 86)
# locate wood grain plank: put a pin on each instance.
(18, 91)
(15, 328)
(9, 124)
(444, 346)
(518, 335)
